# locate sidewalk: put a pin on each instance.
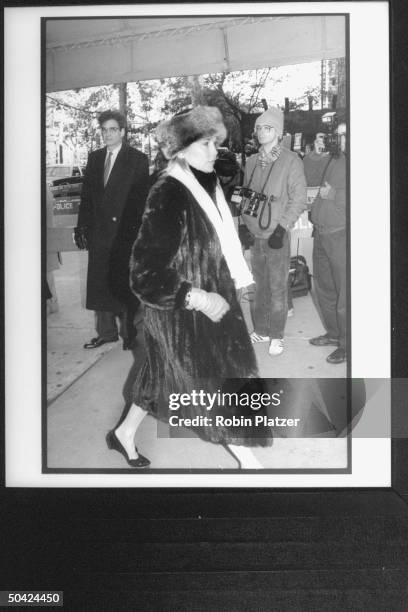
(85, 392)
(70, 327)
(73, 325)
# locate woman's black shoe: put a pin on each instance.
(114, 444)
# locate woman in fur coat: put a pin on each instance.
(186, 265)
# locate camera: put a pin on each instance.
(332, 138)
(251, 205)
(247, 200)
(332, 144)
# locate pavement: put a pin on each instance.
(85, 391)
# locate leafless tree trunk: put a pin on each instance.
(196, 90)
(122, 89)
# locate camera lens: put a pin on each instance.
(252, 208)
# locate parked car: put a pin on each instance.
(65, 183)
(67, 186)
(58, 171)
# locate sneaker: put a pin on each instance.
(291, 312)
(324, 341)
(276, 346)
(337, 356)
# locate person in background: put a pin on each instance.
(315, 161)
(328, 215)
(53, 259)
(230, 175)
(275, 176)
(159, 164)
(186, 265)
(250, 147)
(114, 191)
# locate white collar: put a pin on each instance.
(114, 151)
(222, 221)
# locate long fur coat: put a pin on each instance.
(177, 248)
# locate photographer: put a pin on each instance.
(273, 197)
(315, 162)
(328, 215)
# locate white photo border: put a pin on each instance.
(369, 221)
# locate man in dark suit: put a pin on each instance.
(114, 192)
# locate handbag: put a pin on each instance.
(299, 276)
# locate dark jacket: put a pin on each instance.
(329, 214)
(177, 248)
(314, 165)
(113, 215)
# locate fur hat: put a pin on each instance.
(273, 117)
(182, 130)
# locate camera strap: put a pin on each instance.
(267, 202)
(267, 178)
(260, 217)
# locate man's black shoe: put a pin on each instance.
(96, 342)
(337, 356)
(324, 341)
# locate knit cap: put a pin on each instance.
(273, 117)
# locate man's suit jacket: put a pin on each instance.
(113, 215)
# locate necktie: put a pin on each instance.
(107, 168)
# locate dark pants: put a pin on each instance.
(107, 328)
(290, 295)
(330, 282)
(270, 269)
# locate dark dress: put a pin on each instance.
(177, 248)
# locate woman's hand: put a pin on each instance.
(213, 305)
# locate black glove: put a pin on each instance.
(275, 240)
(81, 237)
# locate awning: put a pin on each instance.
(89, 52)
